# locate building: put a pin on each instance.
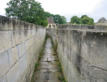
(102, 21)
(51, 23)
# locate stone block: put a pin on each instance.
(4, 63)
(13, 56)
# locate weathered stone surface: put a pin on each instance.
(82, 51)
(20, 43)
(48, 69)
(4, 63)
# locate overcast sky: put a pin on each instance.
(69, 8)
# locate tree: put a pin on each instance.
(83, 20)
(59, 19)
(27, 10)
(63, 20)
(47, 14)
(75, 20)
(87, 20)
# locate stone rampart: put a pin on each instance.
(20, 43)
(82, 51)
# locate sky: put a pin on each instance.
(68, 8)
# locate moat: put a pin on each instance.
(49, 69)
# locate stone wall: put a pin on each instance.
(20, 43)
(82, 51)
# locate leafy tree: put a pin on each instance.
(63, 20)
(75, 20)
(27, 10)
(59, 19)
(86, 20)
(47, 14)
(83, 20)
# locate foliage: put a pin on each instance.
(31, 11)
(59, 19)
(63, 20)
(27, 10)
(47, 14)
(75, 20)
(87, 20)
(82, 20)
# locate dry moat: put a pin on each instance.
(48, 68)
